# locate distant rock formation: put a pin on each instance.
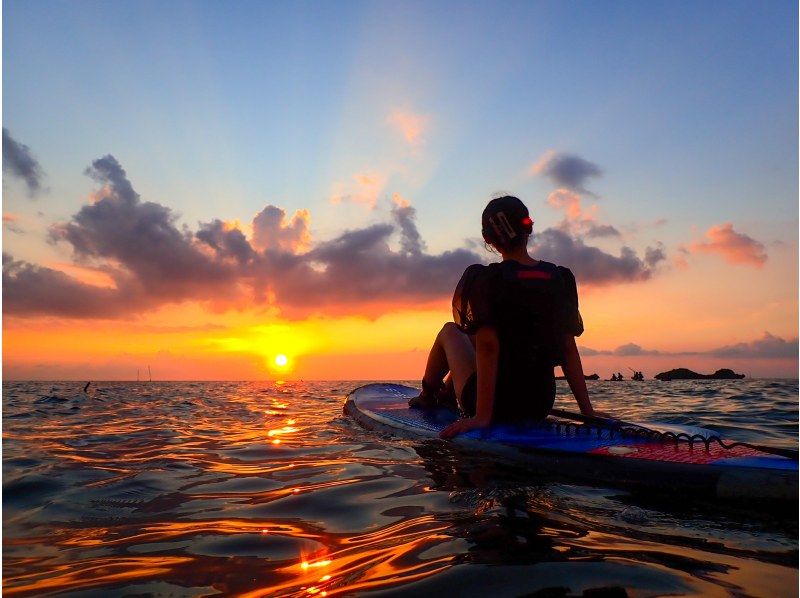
(589, 377)
(686, 374)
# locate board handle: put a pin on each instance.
(618, 424)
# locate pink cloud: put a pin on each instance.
(11, 223)
(410, 125)
(570, 202)
(577, 218)
(680, 262)
(364, 188)
(734, 247)
(273, 230)
(400, 201)
(540, 165)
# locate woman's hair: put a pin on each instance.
(506, 222)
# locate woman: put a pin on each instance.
(514, 321)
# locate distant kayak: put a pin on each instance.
(667, 456)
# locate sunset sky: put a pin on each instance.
(202, 186)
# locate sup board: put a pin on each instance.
(621, 455)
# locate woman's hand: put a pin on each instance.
(463, 425)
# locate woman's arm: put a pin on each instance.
(573, 371)
(487, 352)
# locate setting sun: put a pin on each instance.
(281, 360)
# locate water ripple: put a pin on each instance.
(262, 489)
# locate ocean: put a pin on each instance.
(266, 489)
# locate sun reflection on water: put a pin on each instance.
(190, 485)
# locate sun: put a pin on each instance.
(281, 360)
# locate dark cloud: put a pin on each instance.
(632, 349)
(227, 243)
(153, 262)
(272, 230)
(359, 267)
(567, 170)
(601, 230)
(19, 161)
(589, 352)
(590, 264)
(626, 350)
(33, 290)
(654, 255)
(768, 346)
(143, 239)
(107, 171)
(410, 240)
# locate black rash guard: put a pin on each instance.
(532, 308)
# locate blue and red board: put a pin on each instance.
(597, 453)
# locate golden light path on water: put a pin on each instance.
(246, 489)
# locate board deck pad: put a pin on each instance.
(386, 406)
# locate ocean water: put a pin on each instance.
(266, 489)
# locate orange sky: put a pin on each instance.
(325, 213)
(191, 342)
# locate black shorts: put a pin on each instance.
(515, 400)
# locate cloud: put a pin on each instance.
(404, 214)
(141, 237)
(577, 219)
(33, 290)
(19, 161)
(654, 255)
(626, 350)
(565, 244)
(149, 260)
(569, 201)
(227, 242)
(108, 172)
(590, 264)
(680, 262)
(410, 125)
(589, 352)
(594, 231)
(152, 262)
(768, 346)
(359, 267)
(364, 188)
(632, 349)
(566, 170)
(734, 247)
(10, 223)
(272, 230)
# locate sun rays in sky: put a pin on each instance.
(245, 191)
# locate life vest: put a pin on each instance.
(531, 307)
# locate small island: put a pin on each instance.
(589, 377)
(687, 374)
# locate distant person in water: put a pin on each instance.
(514, 321)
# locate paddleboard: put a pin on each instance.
(593, 453)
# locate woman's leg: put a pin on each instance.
(452, 351)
